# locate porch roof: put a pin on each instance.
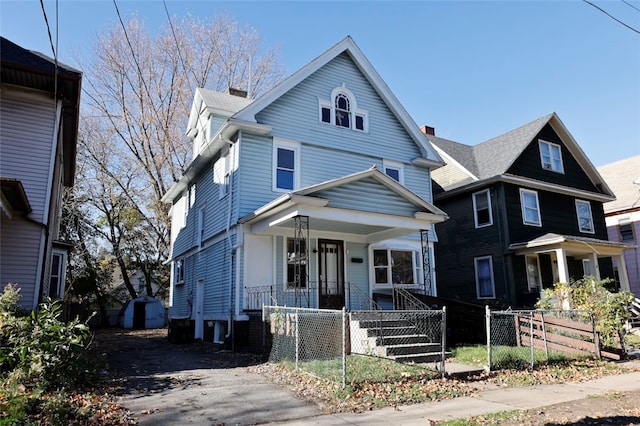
(365, 225)
(571, 244)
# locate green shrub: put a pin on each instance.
(609, 309)
(40, 348)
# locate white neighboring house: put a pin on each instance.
(315, 194)
(39, 108)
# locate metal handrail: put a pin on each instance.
(405, 300)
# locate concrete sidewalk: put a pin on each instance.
(487, 401)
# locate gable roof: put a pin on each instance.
(624, 179)
(222, 104)
(27, 68)
(493, 158)
(348, 46)
(373, 173)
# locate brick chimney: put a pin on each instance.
(427, 130)
(237, 92)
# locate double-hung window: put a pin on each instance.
(394, 169)
(178, 267)
(482, 214)
(296, 263)
(485, 287)
(222, 172)
(533, 273)
(585, 220)
(286, 165)
(200, 231)
(626, 230)
(395, 266)
(530, 207)
(551, 156)
(56, 280)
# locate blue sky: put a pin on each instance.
(472, 70)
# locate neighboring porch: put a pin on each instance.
(564, 251)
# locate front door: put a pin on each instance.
(331, 274)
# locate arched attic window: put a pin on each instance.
(342, 110)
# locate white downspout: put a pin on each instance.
(228, 235)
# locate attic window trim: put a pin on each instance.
(358, 119)
(554, 162)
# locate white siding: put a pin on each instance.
(19, 254)
(26, 146)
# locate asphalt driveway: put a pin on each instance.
(194, 384)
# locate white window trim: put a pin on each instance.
(493, 281)
(200, 227)
(61, 273)
(293, 146)
(354, 110)
(536, 286)
(285, 264)
(396, 165)
(522, 207)
(475, 209)
(416, 257)
(586, 231)
(222, 172)
(550, 145)
(179, 267)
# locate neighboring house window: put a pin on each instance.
(533, 273)
(292, 261)
(530, 207)
(200, 235)
(342, 111)
(626, 230)
(482, 209)
(178, 267)
(585, 220)
(395, 266)
(394, 169)
(56, 281)
(286, 165)
(551, 156)
(485, 287)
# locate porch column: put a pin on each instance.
(593, 258)
(622, 272)
(301, 249)
(563, 269)
(426, 263)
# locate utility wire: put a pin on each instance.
(630, 5)
(175, 38)
(53, 49)
(46, 21)
(611, 16)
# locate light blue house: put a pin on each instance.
(317, 194)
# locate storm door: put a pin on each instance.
(331, 274)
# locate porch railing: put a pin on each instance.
(404, 300)
(355, 298)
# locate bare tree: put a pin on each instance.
(138, 90)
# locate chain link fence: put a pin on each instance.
(331, 344)
(523, 339)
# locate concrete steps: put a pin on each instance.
(399, 339)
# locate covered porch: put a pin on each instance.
(334, 244)
(562, 249)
